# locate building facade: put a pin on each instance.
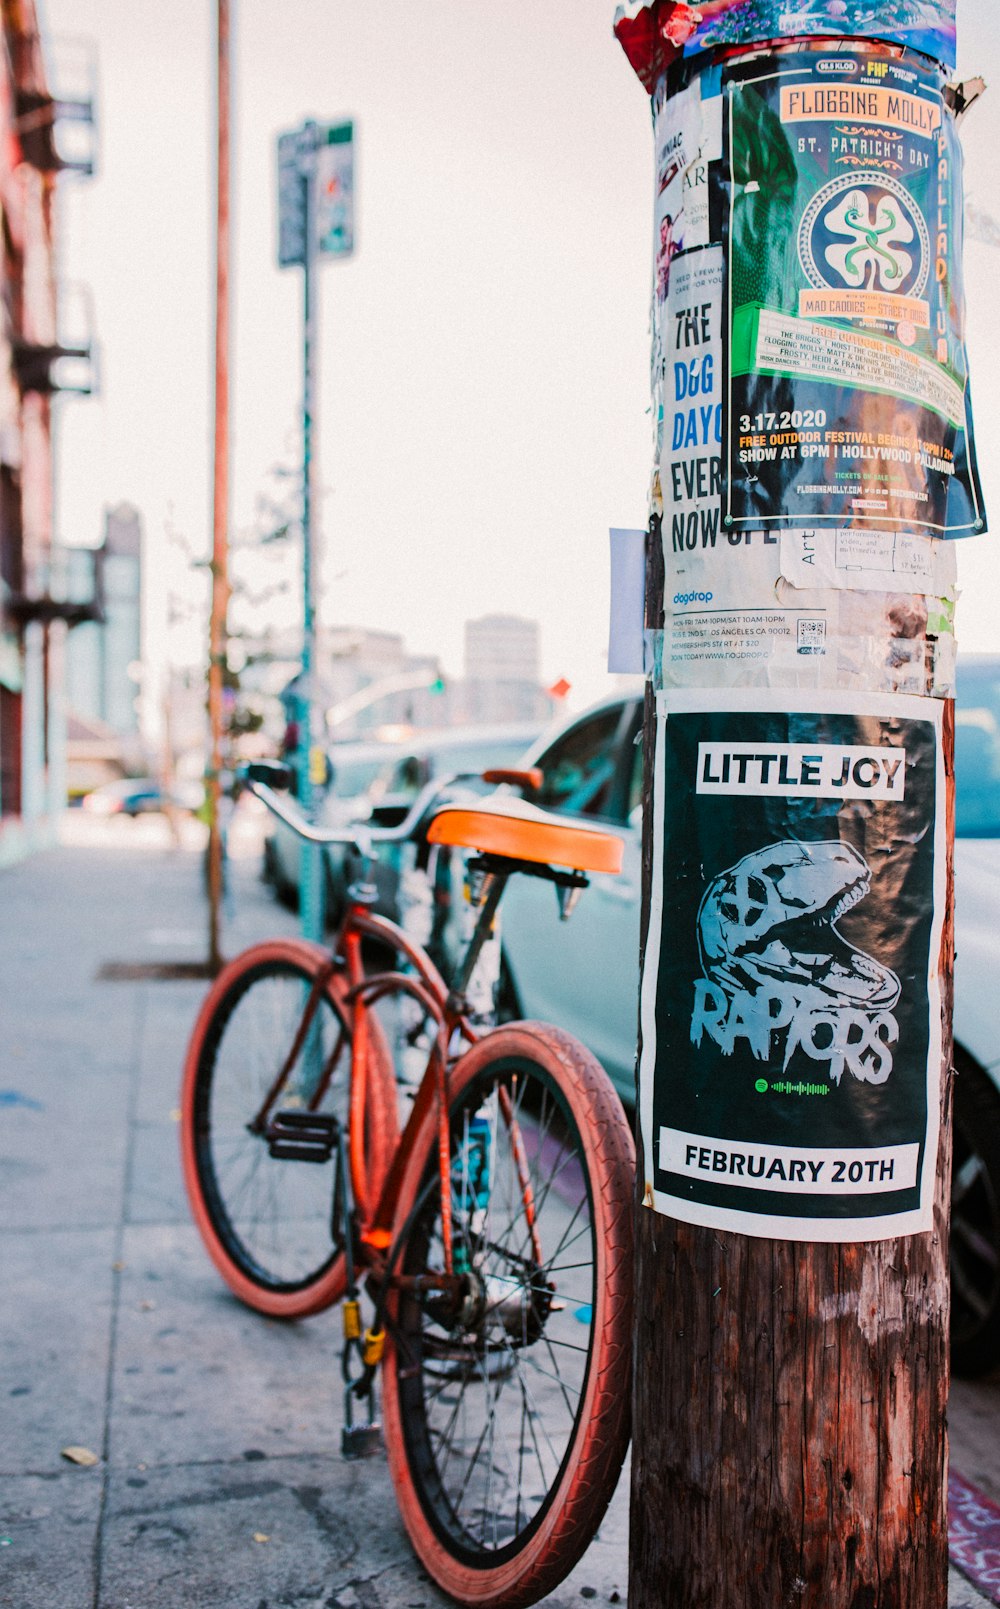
(502, 668)
(34, 614)
(374, 683)
(101, 681)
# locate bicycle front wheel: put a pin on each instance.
(268, 1222)
(506, 1386)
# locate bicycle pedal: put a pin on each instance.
(302, 1136)
(361, 1441)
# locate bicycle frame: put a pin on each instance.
(444, 1009)
(447, 1007)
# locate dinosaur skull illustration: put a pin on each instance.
(771, 919)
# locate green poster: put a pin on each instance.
(848, 396)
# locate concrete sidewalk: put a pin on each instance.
(219, 1481)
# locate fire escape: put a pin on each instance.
(56, 135)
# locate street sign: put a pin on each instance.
(335, 190)
(327, 151)
(293, 148)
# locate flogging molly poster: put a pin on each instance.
(791, 1032)
(848, 396)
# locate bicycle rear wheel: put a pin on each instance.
(267, 1222)
(506, 1391)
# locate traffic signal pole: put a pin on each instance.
(813, 459)
(311, 881)
(315, 219)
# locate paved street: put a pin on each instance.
(218, 1478)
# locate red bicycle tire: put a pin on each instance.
(590, 1470)
(380, 1130)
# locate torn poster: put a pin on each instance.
(654, 33)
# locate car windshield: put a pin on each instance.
(484, 754)
(354, 777)
(977, 750)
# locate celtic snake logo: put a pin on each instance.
(878, 232)
(864, 232)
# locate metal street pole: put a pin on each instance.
(814, 452)
(315, 219)
(310, 750)
(220, 496)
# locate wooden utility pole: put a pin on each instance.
(791, 1335)
(220, 495)
(789, 1442)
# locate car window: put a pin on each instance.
(635, 775)
(353, 777)
(409, 777)
(578, 770)
(483, 755)
(977, 752)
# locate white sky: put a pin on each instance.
(484, 356)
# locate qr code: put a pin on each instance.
(812, 636)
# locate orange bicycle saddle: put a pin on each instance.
(520, 831)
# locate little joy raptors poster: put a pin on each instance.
(789, 1078)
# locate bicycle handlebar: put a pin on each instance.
(358, 836)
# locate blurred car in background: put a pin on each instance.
(584, 974)
(135, 796)
(975, 1200)
(359, 773)
(378, 782)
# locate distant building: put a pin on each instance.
(101, 682)
(502, 669)
(374, 682)
(502, 648)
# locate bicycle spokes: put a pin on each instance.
(495, 1358)
(271, 1182)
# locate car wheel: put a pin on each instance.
(975, 1221)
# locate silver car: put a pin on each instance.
(359, 775)
(584, 974)
(378, 782)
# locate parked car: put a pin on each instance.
(378, 782)
(135, 796)
(584, 974)
(359, 775)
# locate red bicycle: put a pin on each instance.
(493, 1231)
